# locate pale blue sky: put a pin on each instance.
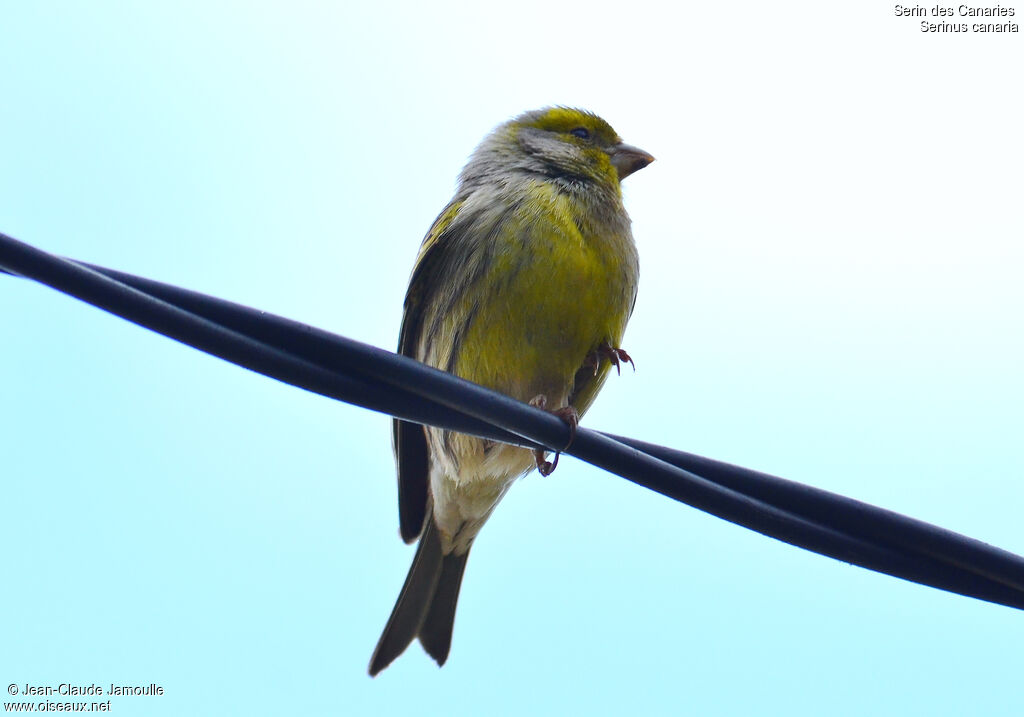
(831, 250)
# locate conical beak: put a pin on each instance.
(628, 159)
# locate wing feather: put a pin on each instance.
(410, 439)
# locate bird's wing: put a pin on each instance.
(411, 454)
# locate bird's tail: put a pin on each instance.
(426, 605)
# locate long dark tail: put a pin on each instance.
(426, 605)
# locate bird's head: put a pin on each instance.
(559, 142)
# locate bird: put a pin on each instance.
(523, 284)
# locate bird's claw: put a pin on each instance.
(572, 418)
(616, 356)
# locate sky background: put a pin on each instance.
(831, 250)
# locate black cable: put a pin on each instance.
(870, 522)
(380, 380)
(797, 500)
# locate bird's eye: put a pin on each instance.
(581, 132)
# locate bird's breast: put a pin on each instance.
(559, 284)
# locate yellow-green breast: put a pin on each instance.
(560, 284)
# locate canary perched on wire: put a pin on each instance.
(524, 284)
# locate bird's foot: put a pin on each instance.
(567, 414)
(616, 356)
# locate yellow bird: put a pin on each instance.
(523, 284)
